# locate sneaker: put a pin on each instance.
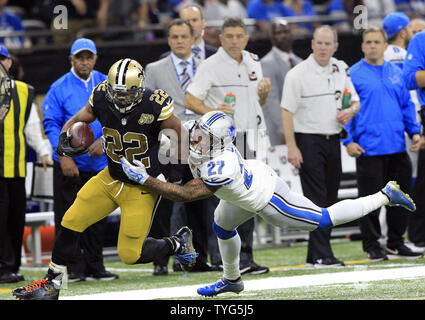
(20, 277)
(186, 254)
(10, 277)
(160, 270)
(328, 262)
(397, 197)
(376, 255)
(43, 289)
(102, 276)
(75, 277)
(221, 286)
(201, 267)
(402, 252)
(416, 247)
(253, 269)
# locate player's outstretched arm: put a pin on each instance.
(194, 189)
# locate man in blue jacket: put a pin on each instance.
(65, 97)
(414, 77)
(376, 138)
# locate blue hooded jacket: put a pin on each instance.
(386, 111)
(415, 61)
(65, 98)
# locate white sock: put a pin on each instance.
(352, 209)
(229, 250)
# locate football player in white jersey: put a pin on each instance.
(247, 188)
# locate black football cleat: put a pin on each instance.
(43, 289)
(186, 254)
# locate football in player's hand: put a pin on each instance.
(82, 135)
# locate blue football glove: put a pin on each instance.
(137, 172)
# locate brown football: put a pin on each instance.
(82, 135)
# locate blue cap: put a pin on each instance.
(394, 23)
(83, 44)
(4, 52)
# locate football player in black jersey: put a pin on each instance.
(132, 117)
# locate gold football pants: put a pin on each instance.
(100, 196)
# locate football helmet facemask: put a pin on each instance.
(126, 84)
(210, 135)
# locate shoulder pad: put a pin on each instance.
(100, 89)
(219, 171)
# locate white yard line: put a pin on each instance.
(264, 284)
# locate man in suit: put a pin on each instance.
(173, 73)
(193, 14)
(276, 63)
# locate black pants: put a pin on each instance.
(372, 175)
(12, 222)
(160, 227)
(416, 226)
(320, 177)
(89, 254)
(197, 215)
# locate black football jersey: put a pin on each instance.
(135, 135)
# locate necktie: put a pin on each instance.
(184, 76)
(197, 52)
(292, 62)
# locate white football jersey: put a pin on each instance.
(248, 184)
(395, 55)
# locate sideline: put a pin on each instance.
(264, 284)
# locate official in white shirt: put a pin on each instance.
(312, 122)
(234, 70)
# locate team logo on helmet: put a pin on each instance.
(210, 135)
(125, 84)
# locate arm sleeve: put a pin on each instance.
(218, 172)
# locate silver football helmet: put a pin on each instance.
(210, 135)
(126, 84)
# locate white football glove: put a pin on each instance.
(135, 172)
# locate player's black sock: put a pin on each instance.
(155, 249)
(236, 280)
(65, 246)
